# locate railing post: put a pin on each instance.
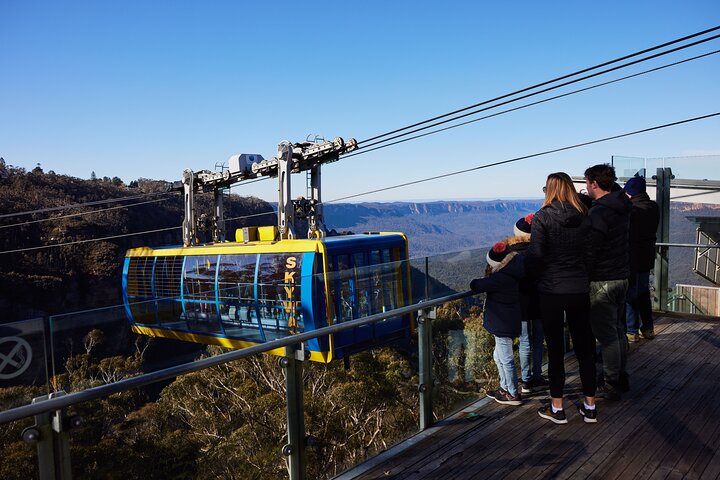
(294, 450)
(50, 435)
(662, 197)
(424, 321)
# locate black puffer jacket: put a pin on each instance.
(644, 219)
(502, 304)
(557, 255)
(610, 246)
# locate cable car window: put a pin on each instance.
(278, 291)
(362, 274)
(199, 293)
(345, 289)
(236, 288)
(389, 280)
(139, 289)
(376, 282)
(168, 272)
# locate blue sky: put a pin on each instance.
(146, 89)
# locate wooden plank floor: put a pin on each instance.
(667, 426)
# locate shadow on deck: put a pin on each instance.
(667, 426)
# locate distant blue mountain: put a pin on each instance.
(434, 227)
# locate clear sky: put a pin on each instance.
(148, 88)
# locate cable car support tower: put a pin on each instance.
(291, 158)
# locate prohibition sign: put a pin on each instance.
(14, 363)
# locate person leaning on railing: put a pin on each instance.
(502, 315)
(557, 257)
(644, 219)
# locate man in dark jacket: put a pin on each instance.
(609, 272)
(644, 220)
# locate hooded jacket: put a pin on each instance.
(502, 304)
(644, 219)
(609, 241)
(557, 256)
(529, 301)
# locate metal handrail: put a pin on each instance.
(690, 245)
(167, 373)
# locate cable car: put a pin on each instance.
(238, 294)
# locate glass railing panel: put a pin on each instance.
(24, 358)
(24, 367)
(700, 167)
(463, 367)
(627, 167)
(359, 406)
(100, 345)
(689, 288)
(704, 167)
(452, 272)
(693, 278)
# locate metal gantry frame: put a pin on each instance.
(291, 158)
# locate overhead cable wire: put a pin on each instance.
(272, 212)
(534, 103)
(81, 205)
(542, 84)
(74, 242)
(474, 112)
(101, 210)
(414, 182)
(525, 157)
(41, 247)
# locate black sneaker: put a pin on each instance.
(648, 334)
(534, 385)
(609, 392)
(589, 416)
(503, 396)
(547, 413)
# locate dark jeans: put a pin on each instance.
(575, 308)
(638, 307)
(607, 317)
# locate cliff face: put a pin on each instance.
(346, 215)
(434, 227)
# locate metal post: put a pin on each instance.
(285, 208)
(662, 197)
(53, 447)
(189, 221)
(425, 387)
(316, 225)
(427, 279)
(218, 227)
(294, 450)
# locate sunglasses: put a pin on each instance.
(544, 189)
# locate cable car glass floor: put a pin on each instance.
(240, 323)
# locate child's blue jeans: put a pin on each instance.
(505, 362)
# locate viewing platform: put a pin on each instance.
(667, 426)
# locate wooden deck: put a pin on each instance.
(667, 426)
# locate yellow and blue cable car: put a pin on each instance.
(238, 294)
